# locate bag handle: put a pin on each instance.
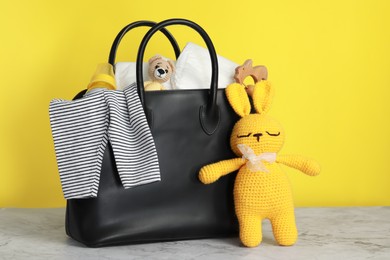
(127, 28)
(122, 33)
(209, 113)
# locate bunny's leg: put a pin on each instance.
(284, 228)
(250, 229)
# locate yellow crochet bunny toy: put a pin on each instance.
(261, 190)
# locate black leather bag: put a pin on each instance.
(191, 128)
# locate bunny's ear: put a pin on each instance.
(238, 99)
(263, 94)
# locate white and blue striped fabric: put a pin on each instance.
(81, 130)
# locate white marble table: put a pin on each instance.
(324, 233)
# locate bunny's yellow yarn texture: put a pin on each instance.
(261, 190)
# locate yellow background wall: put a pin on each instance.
(328, 60)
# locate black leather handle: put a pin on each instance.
(209, 44)
(209, 113)
(131, 26)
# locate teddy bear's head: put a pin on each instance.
(160, 69)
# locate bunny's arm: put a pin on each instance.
(212, 172)
(302, 163)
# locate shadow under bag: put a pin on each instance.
(191, 128)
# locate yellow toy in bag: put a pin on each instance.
(261, 190)
(103, 77)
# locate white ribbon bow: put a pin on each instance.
(255, 162)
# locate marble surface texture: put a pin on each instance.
(324, 233)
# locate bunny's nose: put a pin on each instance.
(257, 135)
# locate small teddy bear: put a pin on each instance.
(160, 71)
(261, 189)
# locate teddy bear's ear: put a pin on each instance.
(172, 65)
(263, 94)
(155, 57)
(238, 99)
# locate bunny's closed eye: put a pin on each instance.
(240, 136)
(248, 135)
